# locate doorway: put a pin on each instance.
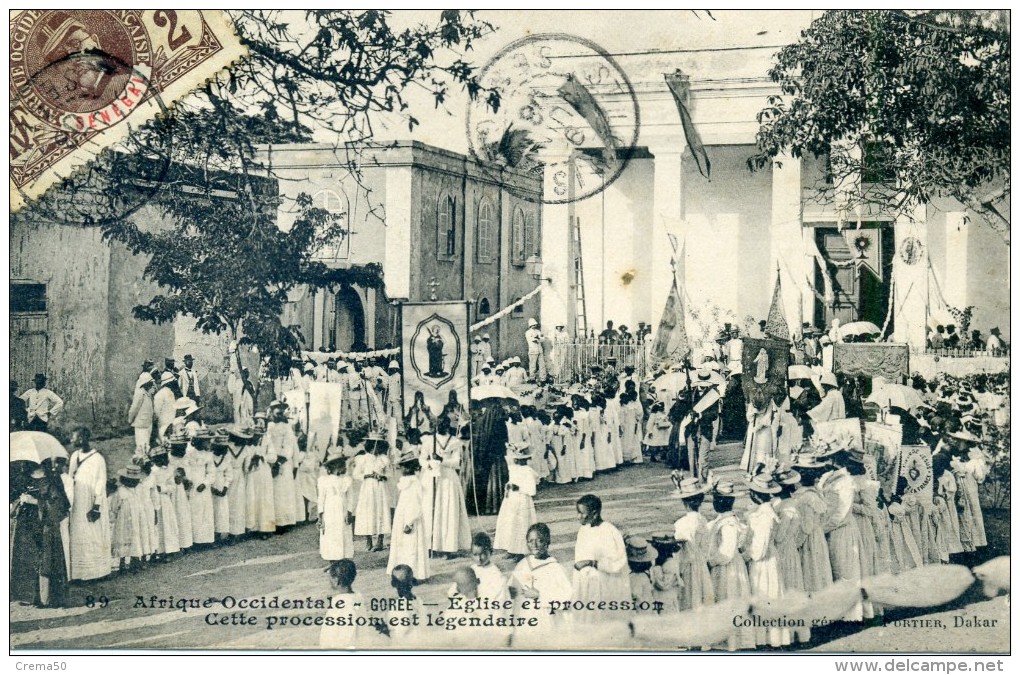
(348, 329)
(859, 266)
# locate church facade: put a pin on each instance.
(729, 235)
(441, 226)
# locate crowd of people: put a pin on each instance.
(812, 523)
(945, 338)
(404, 482)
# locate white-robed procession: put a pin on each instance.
(767, 420)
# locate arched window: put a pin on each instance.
(532, 237)
(486, 231)
(446, 227)
(517, 251)
(483, 307)
(519, 309)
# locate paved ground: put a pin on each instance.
(116, 612)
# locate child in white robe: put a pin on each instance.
(222, 468)
(167, 536)
(200, 471)
(408, 545)
(539, 577)
(517, 512)
(128, 519)
(492, 584)
(361, 632)
(179, 496)
(372, 517)
(336, 536)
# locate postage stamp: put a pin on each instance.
(79, 79)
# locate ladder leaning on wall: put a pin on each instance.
(580, 308)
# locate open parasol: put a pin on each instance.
(486, 391)
(898, 395)
(800, 372)
(855, 328)
(674, 381)
(35, 446)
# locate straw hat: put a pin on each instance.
(519, 451)
(808, 461)
(964, 435)
(788, 477)
(240, 434)
(724, 488)
(690, 487)
(131, 472)
(639, 550)
(763, 484)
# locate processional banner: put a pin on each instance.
(765, 364)
(434, 341)
(890, 361)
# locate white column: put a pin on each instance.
(910, 285)
(668, 219)
(370, 316)
(398, 232)
(957, 236)
(789, 251)
(558, 296)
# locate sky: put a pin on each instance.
(628, 35)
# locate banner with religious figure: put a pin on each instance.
(434, 343)
(765, 364)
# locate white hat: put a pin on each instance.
(485, 336)
(183, 403)
(393, 366)
(828, 378)
(532, 322)
(476, 339)
(144, 379)
(167, 377)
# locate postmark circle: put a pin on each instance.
(75, 74)
(568, 114)
(76, 60)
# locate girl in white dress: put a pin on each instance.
(517, 512)
(563, 441)
(372, 517)
(201, 473)
(408, 543)
(223, 474)
(260, 506)
(336, 538)
(450, 528)
(760, 552)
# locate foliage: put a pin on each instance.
(917, 104)
(996, 488)
(217, 252)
